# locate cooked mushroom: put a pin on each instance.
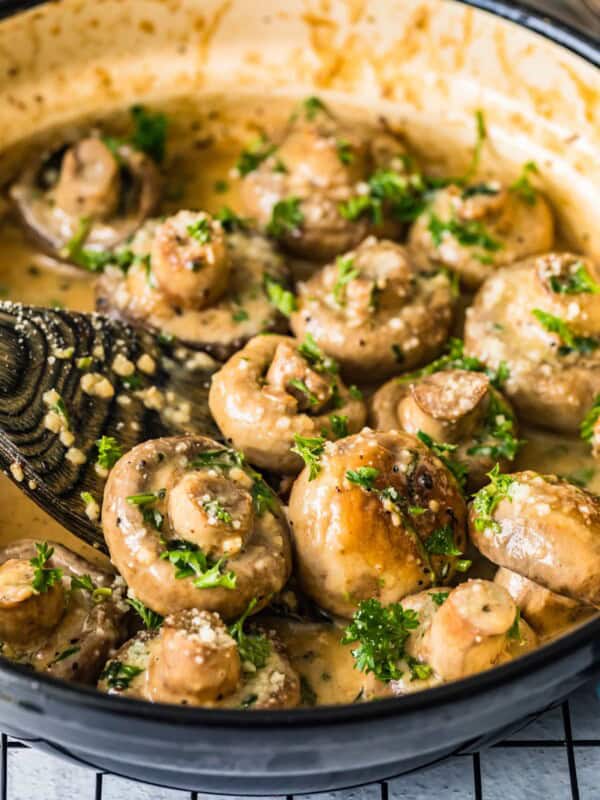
(58, 612)
(460, 632)
(192, 280)
(376, 515)
(109, 191)
(374, 312)
(193, 659)
(457, 408)
(548, 613)
(189, 525)
(275, 389)
(543, 528)
(475, 230)
(305, 191)
(541, 317)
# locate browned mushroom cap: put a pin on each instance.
(456, 407)
(374, 312)
(381, 518)
(461, 632)
(541, 317)
(544, 528)
(474, 231)
(191, 281)
(111, 191)
(318, 166)
(189, 525)
(69, 628)
(548, 613)
(193, 660)
(275, 389)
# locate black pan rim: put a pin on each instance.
(568, 38)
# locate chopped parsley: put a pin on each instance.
(240, 315)
(200, 230)
(44, 577)
(150, 133)
(477, 189)
(481, 136)
(92, 259)
(514, 631)
(222, 458)
(455, 358)
(301, 386)
(577, 281)
(345, 151)
(339, 425)
(253, 648)
(487, 499)
(308, 696)
(311, 352)
(313, 106)
(498, 440)
(439, 598)
(286, 217)
(191, 562)
(248, 701)
(572, 343)
(355, 393)
(146, 498)
(310, 449)
(230, 221)
(150, 618)
(441, 543)
(85, 362)
(470, 233)
(381, 633)
(109, 451)
(442, 451)
(118, 675)
(403, 196)
(346, 272)
(216, 510)
(586, 429)
(523, 186)
(70, 651)
(253, 156)
(364, 477)
(83, 582)
(279, 297)
(221, 186)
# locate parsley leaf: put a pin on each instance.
(150, 618)
(109, 451)
(514, 631)
(481, 136)
(313, 106)
(83, 582)
(339, 425)
(487, 499)
(381, 633)
(230, 221)
(364, 477)
(150, 133)
(146, 498)
(217, 511)
(344, 151)
(346, 272)
(191, 562)
(470, 233)
(586, 429)
(571, 341)
(498, 440)
(118, 675)
(310, 449)
(441, 543)
(301, 386)
(441, 450)
(523, 186)
(402, 196)
(439, 598)
(455, 358)
(279, 297)
(253, 648)
(200, 230)
(577, 281)
(44, 577)
(253, 156)
(286, 217)
(311, 352)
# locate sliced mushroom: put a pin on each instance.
(454, 407)
(108, 190)
(192, 659)
(192, 280)
(374, 312)
(543, 528)
(548, 613)
(62, 616)
(276, 388)
(299, 191)
(541, 317)
(461, 632)
(379, 516)
(189, 525)
(475, 230)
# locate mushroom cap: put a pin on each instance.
(261, 420)
(388, 318)
(550, 384)
(352, 544)
(259, 549)
(547, 530)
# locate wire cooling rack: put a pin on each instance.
(557, 757)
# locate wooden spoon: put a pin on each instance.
(66, 380)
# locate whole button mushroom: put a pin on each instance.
(543, 528)
(87, 193)
(305, 190)
(193, 659)
(208, 284)
(190, 525)
(376, 515)
(455, 407)
(475, 230)
(277, 389)
(374, 311)
(541, 318)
